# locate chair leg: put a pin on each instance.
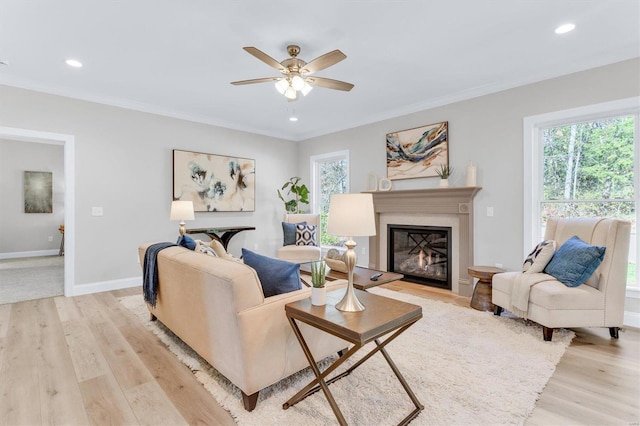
(250, 401)
(613, 332)
(497, 310)
(547, 333)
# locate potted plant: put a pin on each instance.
(301, 193)
(318, 278)
(444, 172)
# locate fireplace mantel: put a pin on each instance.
(457, 202)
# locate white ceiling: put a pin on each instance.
(178, 58)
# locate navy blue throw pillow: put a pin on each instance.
(574, 262)
(276, 276)
(289, 232)
(186, 241)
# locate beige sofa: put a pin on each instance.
(217, 307)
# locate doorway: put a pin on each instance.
(68, 141)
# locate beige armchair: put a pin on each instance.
(301, 254)
(598, 302)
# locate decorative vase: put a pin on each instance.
(318, 296)
(444, 183)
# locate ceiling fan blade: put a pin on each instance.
(324, 61)
(265, 58)
(255, 80)
(329, 83)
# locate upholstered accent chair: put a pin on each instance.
(596, 302)
(301, 253)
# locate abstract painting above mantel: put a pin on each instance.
(214, 183)
(417, 153)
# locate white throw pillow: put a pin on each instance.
(202, 247)
(539, 257)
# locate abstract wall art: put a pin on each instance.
(418, 152)
(38, 192)
(215, 183)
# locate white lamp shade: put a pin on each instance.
(297, 82)
(282, 85)
(351, 215)
(182, 210)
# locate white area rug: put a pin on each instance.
(466, 367)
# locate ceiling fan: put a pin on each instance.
(296, 72)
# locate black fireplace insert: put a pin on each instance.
(421, 253)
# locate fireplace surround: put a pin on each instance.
(429, 207)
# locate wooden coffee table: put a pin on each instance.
(361, 276)
(383, 316)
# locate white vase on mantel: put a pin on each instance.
(444, 183)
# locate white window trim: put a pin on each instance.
(532, 158)
(315, 174)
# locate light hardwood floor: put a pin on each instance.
(87, 360)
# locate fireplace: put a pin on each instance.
(421, 253)
(452, 207)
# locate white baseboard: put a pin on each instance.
(99, 287)
(36, 253)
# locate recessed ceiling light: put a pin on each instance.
(564, 28)
(293, 118)
(73, 63)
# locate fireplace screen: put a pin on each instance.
(421, 253)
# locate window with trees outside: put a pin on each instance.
(585, 168)
(329, 175)
(588, 171)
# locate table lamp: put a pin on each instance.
(351, 215)
(182, 210)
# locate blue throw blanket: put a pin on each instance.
(150, 272)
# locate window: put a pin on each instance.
(329, 175)
(582, 163)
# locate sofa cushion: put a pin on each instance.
(306, 235)
(554, 295)
(539, 257)
(186, 241)
(575, 261)
(289, 233)
(276, 276)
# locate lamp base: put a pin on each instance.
(182, 228)
(350, 302)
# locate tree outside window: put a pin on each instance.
(330, 176)
(588, 171)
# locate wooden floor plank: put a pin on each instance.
(105, 402)
(19, 385)
(67, 309)
(193, 401)
(152, 407)
(88, 360)
(125, 364)
(5, 313)
(60, 398)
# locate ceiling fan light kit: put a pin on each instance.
(296, 72)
